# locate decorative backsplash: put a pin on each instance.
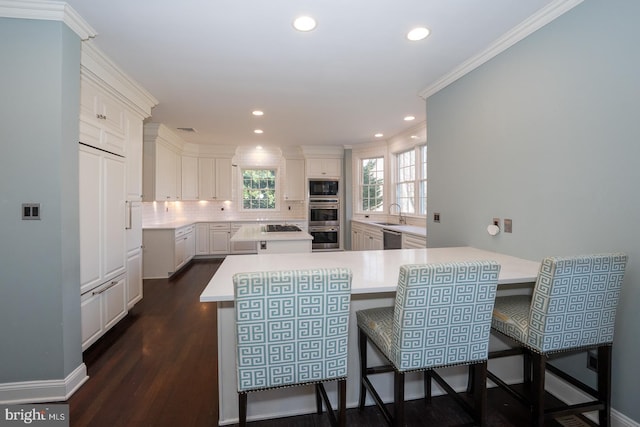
(163, 212)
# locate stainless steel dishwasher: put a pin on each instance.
(391, 239)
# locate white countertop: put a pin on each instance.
(184, 222)
(373, 271)
(255, 233)
(409, 229)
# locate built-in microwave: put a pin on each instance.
(323, 188)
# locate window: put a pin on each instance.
(411, 180)
(258, 189)
(372, 184)
(405, 181)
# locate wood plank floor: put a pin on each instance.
(158, 367)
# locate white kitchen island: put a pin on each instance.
(273, 242)
(375, 276)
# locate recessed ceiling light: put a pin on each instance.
(414, 137)
(378, 135)
(258, 147)
(409, 118)
(258, 131)
(418, 33)
(258, 113)
(304, 23)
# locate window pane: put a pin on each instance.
(372, 184)
(259, 189)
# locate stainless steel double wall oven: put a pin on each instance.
(324, 214)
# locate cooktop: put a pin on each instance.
(280, 227)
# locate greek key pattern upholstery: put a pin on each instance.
(441, 316)
(573, 304)
(291, 326)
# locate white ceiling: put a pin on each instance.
(210, 63)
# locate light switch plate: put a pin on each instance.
(30, 211)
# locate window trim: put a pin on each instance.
(277, 189)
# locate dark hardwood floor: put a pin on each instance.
(158, 367)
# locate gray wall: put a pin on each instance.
(39, 260)
(548, 134)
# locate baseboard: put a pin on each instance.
(43, 391)
(571, 395)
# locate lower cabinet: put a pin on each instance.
(101, 308)
(411, 241)
(134, 278)
(212, 238)
(365, 238)
(166, 251)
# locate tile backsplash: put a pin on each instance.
(203, 211)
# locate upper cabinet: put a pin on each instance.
(190, 178)
(102, 119)
(295, 183)
(162, 164)
(324, 168)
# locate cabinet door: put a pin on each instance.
(189, 245)
(134, 278)
(324, 168)
(89, 171)
(166, 173)
(219, 241)
(114, 302)
(202, 239)
(133, 226)
(206, 178)
(134, 158)
(113, 236)
(180, 251)
(223, 179)
(91, 315)
(295, 183)
(189, 178)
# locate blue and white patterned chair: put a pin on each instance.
(292, 329)
(572, 308)
(441, 317)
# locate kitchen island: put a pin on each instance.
(274, 239)
(375, 276)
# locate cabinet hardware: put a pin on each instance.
(111, 285)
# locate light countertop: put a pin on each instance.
(255, 233)
(373, 271)
(402, 228)
(185, 222)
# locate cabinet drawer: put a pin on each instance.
(221, 226)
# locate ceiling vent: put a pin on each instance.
(192, 130)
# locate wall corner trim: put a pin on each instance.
(43, 391)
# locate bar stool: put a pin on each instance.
(441, 317)
(292, 329)
(572, 309)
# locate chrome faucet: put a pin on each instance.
(401, 219)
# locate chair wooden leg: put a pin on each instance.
(479, 371)
(318, 399)
(427, 386)
(604, 384)
(526, 369)
(362, 350)
(242, 409)
(342, 403)
(538, 363)
(398, 399)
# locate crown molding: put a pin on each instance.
(95, 65)
(530, 25)
(47, 11)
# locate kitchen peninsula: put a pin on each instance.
(375, 276)
(274, 238)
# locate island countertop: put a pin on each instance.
(373, 271)
(256, 233)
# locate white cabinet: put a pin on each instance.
(412, 241)
(214, 178)
(133, 152)
(102, 308)
(189, 178)
(241, 247)
(219, 234)
(134, 278)
(162, 164)
(365, 237)
(324, 167)
(102, 216)
(202, 238)
(167, 250)
(224, 179)
(134, 253)
(102, 119)
(295, 182)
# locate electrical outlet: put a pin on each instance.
(436, 217)
(508, 226)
